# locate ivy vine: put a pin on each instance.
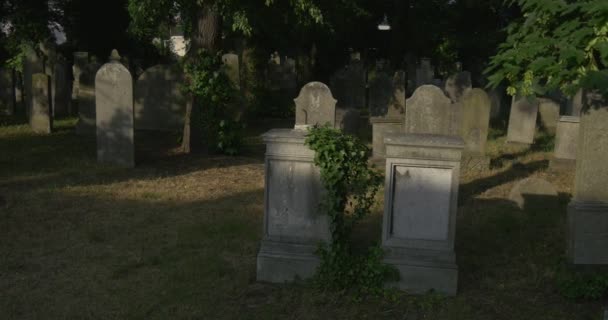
(350, 188)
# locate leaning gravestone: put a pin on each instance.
(429, 111)
(387, 107)
(6, 92)
(549, 114)
(41, 119)
(457, 85)
(315, 106)
(475, 108)
(588, 210)
(522, 121)
(114, 113)
(566, 143)
(421, 202)
(231, 63)
(293, 224)
(159, 101)
(534, 194)
(86, 100)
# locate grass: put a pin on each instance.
(177, 238)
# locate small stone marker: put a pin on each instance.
(315, 105)
(231, 63)
(159, 101)
(534, 193)
(41, 119)
(419, 223)
(457, 85)
(549, 114)
(588, 210)
(86, 100)
(566, 143)
(429, 111)
(522, 121)
(114, 113)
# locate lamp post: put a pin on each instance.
(384, 26)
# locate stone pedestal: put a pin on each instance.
(588, 211)
(293, 225)
(566, 142)
(380, 127)
(421, 195)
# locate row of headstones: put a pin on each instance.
(421, 191)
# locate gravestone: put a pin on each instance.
(31, 65)
(429, 111)
(419, 222)
(474, 128)
(425, 73)
(231, 63)
(522, 121)
(86, 100)
(41, 119)
(6, 92)
(61, 105)
(575, 104)
(348, 85)
(588, 210)
(495, 96)
(457, 85)
(387, 107)
(160, 103)
(315, 106)
(566, 143)
(534, 194)
(348, 120)
(81, 59)
(549, 114)
(114, 113)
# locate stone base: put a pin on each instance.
(562, 164)
(280, 262)
(588, 233)
(424, 270)
(475, 162)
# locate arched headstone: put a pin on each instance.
(315, 105)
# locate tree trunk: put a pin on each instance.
(206, 30)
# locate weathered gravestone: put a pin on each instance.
(588, 210)
(566, 143)
(457, 85)
(315, 106)
(114, 113)
(348, 85)
(31, 65)
(475, 110)
(231, 63)
(387, 108)
(293, 224)
(86, 100)
(429, 111)
(549, 114)
(159, 101)
(420, 206)
(81, 59)
(575, 104)
(522, 121)
(7, 106)
(495, 96)
(61, 84)
(425, 73)
(534, 194)
(41, 119)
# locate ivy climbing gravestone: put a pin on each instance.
(114, 113)
(315, 106)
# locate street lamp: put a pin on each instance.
(384, 25)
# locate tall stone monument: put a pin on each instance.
(293, 224)
(419, 224)
(41, 119)
(315, 106)
(159, 101)
(430, 111)
(522, 121)
(566, 143)
(588, 210)
(114, 113)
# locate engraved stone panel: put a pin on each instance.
(315, 105)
